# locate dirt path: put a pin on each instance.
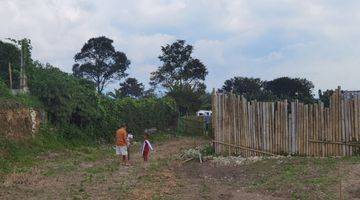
(204, 181)
(95, 173)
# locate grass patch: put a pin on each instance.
(20, 156)
(299, 178)
(110, 167)
(161, 137)
(204, 190)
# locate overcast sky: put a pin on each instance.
(314, 39)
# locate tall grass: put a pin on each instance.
(17, 156)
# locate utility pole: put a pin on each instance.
(10, 77)
(23, 82)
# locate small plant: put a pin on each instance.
(160, 137)
(208, 150)
(191, 153)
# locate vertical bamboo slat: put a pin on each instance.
(285, 127)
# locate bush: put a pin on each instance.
(7, 100)
(208, 150)
(67, 99)
(4, 90)
(191, 125)
(139, 114)
(23, 153)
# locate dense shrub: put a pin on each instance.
(23, 153)
(67, 99)
(139, 114)
(9, 54)
(75, 111)
(9, 101)
(78, 112)
(4, 90)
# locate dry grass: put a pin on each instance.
(95, 173)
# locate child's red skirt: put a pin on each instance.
(146, 155)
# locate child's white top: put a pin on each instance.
(143, 146)
(130, 136)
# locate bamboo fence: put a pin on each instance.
(251, 128)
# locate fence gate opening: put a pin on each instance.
(194, 126)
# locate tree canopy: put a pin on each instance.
(181, 75)
(130, 88)
(179, 67)
(65, 97)
(99, 62)
(251, 88)
(291, 88)
(9, 54)
(277, 89)
(325, 96)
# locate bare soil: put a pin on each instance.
(96, 173)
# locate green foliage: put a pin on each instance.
(21, 155)
(67, 99)
(25, 46)
(277, 89)
(181, 75)
(251, 88)
(208, 150)
(205, 101)
(325, 97)
(161, 137)
(78, 112)
(98, 61)
(9, 53)
(4, 90)
(191, 125)
(179, 67)
(28, 101)
(130, 88)
(71, 102)
(188, 99)
(7, 100)
(306, 178)
(139, 114)
(291, 88)
(25, 151)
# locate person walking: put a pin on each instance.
(145, 150)
(122, 144)
(129, 138)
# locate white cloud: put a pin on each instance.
(211, 51)
(314, 39)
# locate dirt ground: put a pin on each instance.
(95, 173)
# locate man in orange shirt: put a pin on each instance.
(121, 143)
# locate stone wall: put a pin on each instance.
(20, 123)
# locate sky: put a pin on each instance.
(314, 39)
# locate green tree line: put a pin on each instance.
(77, 103)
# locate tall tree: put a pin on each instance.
(291, 88)
(250, 88)
(325, 96)
(130, 88)
(179, 67)
(9, 54)
(99, 62)
(181, 75)
(187, 100)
